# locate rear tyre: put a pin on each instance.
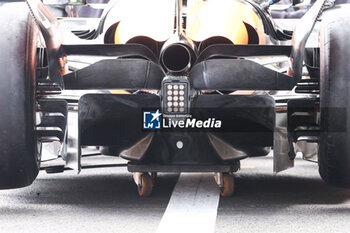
(18, 157)
(334, 143)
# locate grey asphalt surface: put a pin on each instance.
(106, 200)
(295, 200)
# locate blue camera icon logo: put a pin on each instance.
(152, 119)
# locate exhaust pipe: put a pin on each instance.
(179, 52)
(176, 58)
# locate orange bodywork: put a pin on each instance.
(205, 19)
(224, 18)
(153, 19)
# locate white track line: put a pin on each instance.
(193, 205)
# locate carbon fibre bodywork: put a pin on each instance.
(117, 120)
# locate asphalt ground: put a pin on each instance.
(106, 200)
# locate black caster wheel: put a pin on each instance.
(154, 175)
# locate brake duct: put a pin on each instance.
(53, 36)
(301, 33)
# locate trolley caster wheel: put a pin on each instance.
(145, 185)
(228, 186)
(154, 175)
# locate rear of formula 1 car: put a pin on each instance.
(194, 91)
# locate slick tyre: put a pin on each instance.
(18, 157)
(334, 141)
